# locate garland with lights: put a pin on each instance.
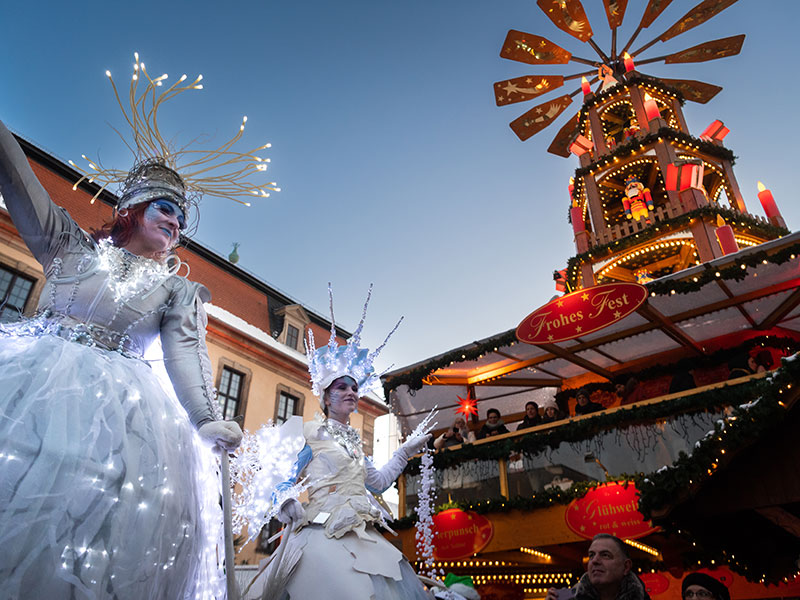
(573, 431)
(631, 79)
(765, 230)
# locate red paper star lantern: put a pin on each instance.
(467, 406)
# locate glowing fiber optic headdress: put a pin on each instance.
(333, 361)
(178, 174)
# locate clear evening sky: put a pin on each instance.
(396, 166)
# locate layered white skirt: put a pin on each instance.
(105, 490)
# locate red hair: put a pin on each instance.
(121, 229)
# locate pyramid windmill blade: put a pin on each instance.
(713, 50)
(696, 16)
(560, 144)
(539, 117)
(696, 91)
(533, 49)
(524, 88)
(651, 13)
(568, 16)
(615, 12)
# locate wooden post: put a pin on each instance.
(503, 464)
(678, 111)
(401, 496)
(598, 136)
(738, 199)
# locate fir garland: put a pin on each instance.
(764, 230)
(636, 79)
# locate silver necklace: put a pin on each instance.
(345, 436)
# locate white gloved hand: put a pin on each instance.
(415, 445)
(291, 512)
(225, 434)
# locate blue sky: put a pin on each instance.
(396, 166)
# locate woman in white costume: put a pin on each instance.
(343, 556)
(100, 494)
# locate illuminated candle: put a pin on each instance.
(587, 89)
(571, 187)
(725, 236)
(650, 108)
(628, 62)
(576, 216)
(768, 202)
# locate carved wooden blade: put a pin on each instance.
(539, 117)
(524, 88)
(615, 12)
(713, 50)
(697, 16)
(560, 144)
(533, 49)
(696, 91)
(568, 16)
(653, 10)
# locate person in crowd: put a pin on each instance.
(742, 366)
(531, 418)
(629, 392)
(762, 361)
(493, 426)
(584, 405)
(333, 549)
(700, 586)
(609, 574)
(459, 433)
(681, 381)
(551, 411)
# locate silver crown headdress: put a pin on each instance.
(333, 361)
(178, 174)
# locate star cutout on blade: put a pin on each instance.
(467, 406)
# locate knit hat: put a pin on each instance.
(713, 585)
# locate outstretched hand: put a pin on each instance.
(416, 444)
(225, 434)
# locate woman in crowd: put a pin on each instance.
(531, 418)
(700, 586)
(101, 494)
(551, 412)
(458, 434)
(338, 551)
(494, 425)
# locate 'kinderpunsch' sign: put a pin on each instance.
(459, 534)
(581, 312)
(611, 508)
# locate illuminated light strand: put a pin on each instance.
(222, 171)
(536, 553)
(643, 547)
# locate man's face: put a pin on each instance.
(607, 565)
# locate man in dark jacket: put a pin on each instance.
(608, 574)
(583, 405)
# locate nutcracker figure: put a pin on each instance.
(637, 202)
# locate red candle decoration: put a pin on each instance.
(628, 62)
(725, 236)
(585, 87)
(571, 187)
(651, 108)
(576, 216)
(768, 202)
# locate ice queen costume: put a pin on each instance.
(102, 493)
(342, 554)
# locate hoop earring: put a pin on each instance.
(122, 213)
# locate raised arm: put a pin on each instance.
(39, 221)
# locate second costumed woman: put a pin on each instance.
(342, 554)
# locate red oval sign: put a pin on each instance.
(654, 583)
(581, 312)
(459, 534)
(611, 508)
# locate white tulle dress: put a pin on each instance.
(342, 554)
(101, 495)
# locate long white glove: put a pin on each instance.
(291, 512)
(414, 445)
(225, 434)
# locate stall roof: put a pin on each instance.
(510, 373)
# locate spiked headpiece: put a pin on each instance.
(332, 361)
(178, 174)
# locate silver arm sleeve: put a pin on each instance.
(183, 338)
(39, 221)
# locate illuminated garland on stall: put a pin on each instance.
(664, 227)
